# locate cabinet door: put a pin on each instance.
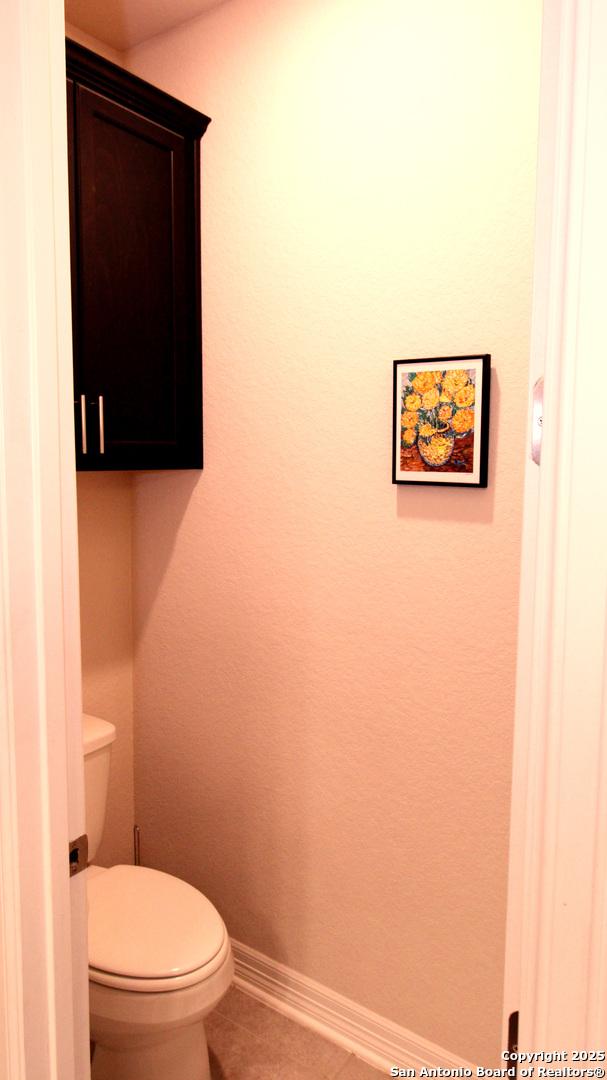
(137, 324)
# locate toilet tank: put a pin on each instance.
(97, 738)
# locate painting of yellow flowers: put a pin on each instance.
(441, 420)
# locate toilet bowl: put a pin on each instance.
(159, 961)
(160, 957)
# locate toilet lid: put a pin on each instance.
(149, 925)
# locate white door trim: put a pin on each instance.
(556, 965)
(43, 984)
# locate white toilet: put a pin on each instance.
(160, 957)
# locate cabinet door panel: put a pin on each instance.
(138, 338)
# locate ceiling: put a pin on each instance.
(125, 23)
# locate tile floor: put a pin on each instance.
(249, 1041)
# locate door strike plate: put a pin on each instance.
(537, 421)
(79, 854)
(513, 1041)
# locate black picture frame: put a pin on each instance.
(440, 420)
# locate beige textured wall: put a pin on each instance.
(105, 515)
(324, 662)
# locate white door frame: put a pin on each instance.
(556, 965)
(43, 965)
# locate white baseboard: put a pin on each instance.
(370, 1037)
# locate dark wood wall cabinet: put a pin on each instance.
(134, 156)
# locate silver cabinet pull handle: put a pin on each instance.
(101, 426)
(83, 419)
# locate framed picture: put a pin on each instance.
(441, 421)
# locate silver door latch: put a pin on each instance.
(537, 421)
(79, 854)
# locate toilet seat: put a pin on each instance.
(195, 978)
(151, 932)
